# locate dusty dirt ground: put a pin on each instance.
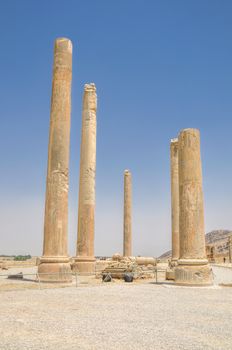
(117, 315)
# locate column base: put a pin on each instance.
(174, 261)
(55, 269)
(170, 274)
(84, 265)
(193, 272)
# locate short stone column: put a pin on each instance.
(193, 267)
(174, 199)
(85, 260)
(127, 231)
(55, 264)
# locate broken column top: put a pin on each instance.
(90, 97)
(90, 87)
(193, 130)
(175, 140)
(63, 57)
(126, 172)
(190, 139)
(63, 44)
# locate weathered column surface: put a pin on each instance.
(175, 199)
(230, 248)
(193, 268)
(127, 232)
(55, 261)
(85, 260)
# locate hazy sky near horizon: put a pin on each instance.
(159, 66)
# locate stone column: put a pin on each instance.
(127, 233)
(193, 268)
(85, 260)
(55, 262)
(175, 199)
(230, 248)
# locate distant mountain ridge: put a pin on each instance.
(216, 238)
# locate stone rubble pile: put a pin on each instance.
(119, 265)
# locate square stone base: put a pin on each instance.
(193, 275)
(84, 265)
(55, 270)
(170, 274)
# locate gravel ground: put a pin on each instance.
(117, 316)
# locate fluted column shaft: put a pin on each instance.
(193, 266)
(127, 227)
(85, 260)
(230, 248)
(175, 198)
(55, 256)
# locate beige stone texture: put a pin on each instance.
(85, 260)
(127, 229)
(170, 274)
(117, 268)
(117, 257)
(140, 260)
(230, 248)
(174, 199)
(145, 260)
(193, 268)
(54, 264)
(3, 265)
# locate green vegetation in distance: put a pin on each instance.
(22, 257)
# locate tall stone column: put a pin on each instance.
(175, 199)
(55, 261)
(127, 231)
(193, 267)
(85, 260)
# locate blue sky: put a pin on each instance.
(159, 67)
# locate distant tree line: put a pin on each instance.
(22, 257)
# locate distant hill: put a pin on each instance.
(166, 255)
(216, 238)
(219, 240)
